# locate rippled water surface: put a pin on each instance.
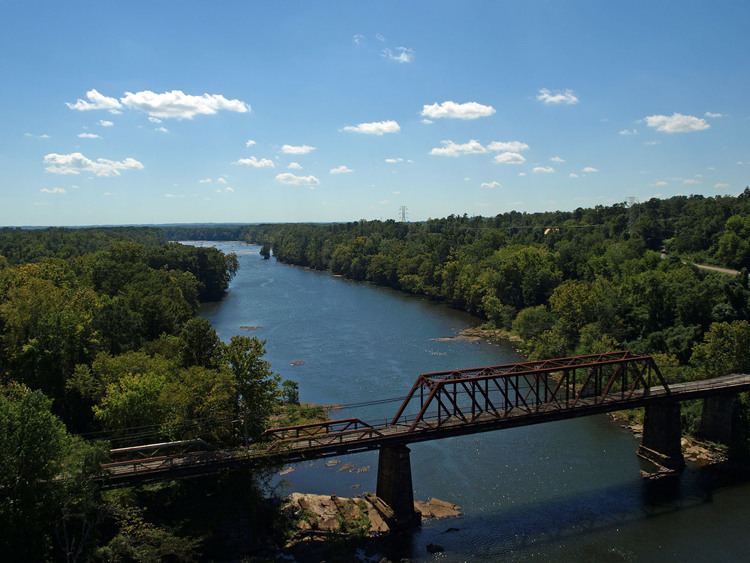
(564, 491)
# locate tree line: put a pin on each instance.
(100, 345)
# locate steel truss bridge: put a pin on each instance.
(440, 405)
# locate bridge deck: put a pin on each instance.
(355, 438)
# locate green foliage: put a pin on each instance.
(725, 349)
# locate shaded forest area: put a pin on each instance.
(100, 346)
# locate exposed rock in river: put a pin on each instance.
(318, 517)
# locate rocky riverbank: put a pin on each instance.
(323, 517)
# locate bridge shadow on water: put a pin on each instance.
(563, 528)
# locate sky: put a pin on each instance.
(235, 111)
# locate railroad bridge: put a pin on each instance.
(468, 401)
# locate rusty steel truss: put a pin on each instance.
(465, 395)
(317, 434)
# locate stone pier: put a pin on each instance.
(723, 421)
(662, 435)
(394, 484)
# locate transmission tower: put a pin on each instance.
(402, 213)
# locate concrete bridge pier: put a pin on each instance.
(662, 435)
(722, 421)
(394, 484)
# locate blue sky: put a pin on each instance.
(115, 114)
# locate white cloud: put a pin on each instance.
(161, 129)
(254, 162)
(691, 181)
(205, 181)
(250, 143)
(453, 110)
(154, 119)
(293, 180)
(95, 101)
(572, 175)
(75, 163)
(42, 136)
(228, 189)
(626, 132)
(342, 169)
(374, 128)
(297, 149)
(589, 170)
(721, 185)
(294, 166)
(106, 123)
(221, 180)
(651, 143)
(450, 148)
(507, 146)
(427, 122)
(178, 105)
(557, 159)
(543, 170)
(399, 54)
(88, 136)
(676, 123)
(358, 39)
(557, 97)
(713, 115)
(660, 184)
(490, 185)
(510, 158)
(53, 190)
(379, 37)
(394, 160)
(522, 174)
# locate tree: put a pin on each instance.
(725, 349)
(200, 346)
(258, 385)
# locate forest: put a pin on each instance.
(589, 280)
(100, 346)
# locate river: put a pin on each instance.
(564, 491)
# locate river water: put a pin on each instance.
(563, 491)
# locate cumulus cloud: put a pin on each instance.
(161, 129)
(293, 180)
(691, 181)
(557, 159)
(399, 54)
(205, 181)
(249, 143)
(297, 149)
(557, 97)
(721, 185)
(75, 163)
(453, 110)
(53, 190)
(543, 170)
(176, 104)
(507, 146)
(394, 160)
(294, 166)
(42, 136)
(342, 169)
(660, 184)
(713, 115)
(572, 175)
(95, 100)
(154, 119)
(254, 162)
(490, 185)
(626, 132)
(105, 123)
(676, 123)
(450, 148)
(88, 136)
(510, 158)
(589, 170)
(221, 180)
(358, 39)
(374, 128)
(427, 121)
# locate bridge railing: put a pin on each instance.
(527, 387)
